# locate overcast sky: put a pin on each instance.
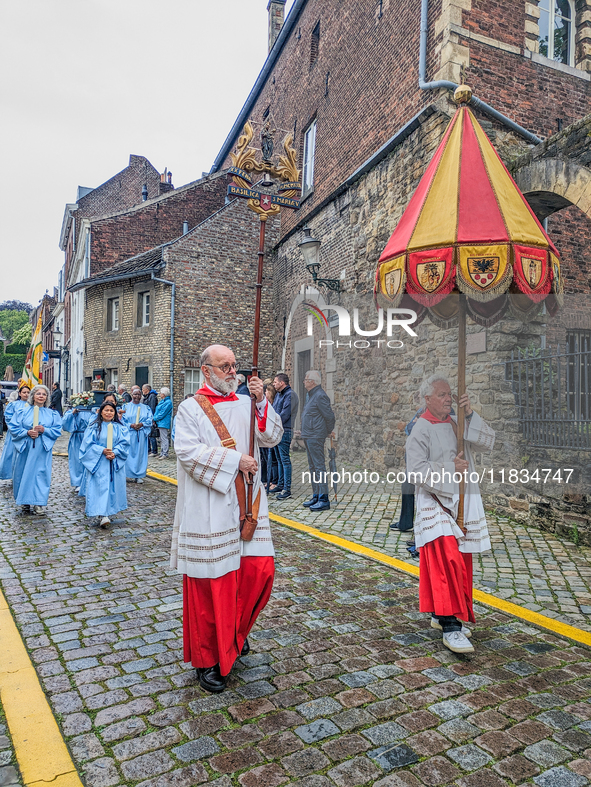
(87, 82)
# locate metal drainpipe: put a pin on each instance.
(172, 297)
(444, 83)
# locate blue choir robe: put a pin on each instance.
(104, 479)
(137, 459)
(32, 462)
(75, 422)
(7, 458)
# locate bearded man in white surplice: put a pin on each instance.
(445, 550)
(227, 580)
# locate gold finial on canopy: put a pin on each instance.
(462, 94)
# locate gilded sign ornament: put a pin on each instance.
(245, 162)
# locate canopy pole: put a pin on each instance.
(461, 392)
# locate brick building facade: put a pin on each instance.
(213, 268)
(131, 213)
(345, 81)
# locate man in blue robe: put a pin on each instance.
(33, 444)
(75, 422)
(138, 419)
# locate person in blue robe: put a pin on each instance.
(108, 397)
(105, 465)
(12, 408)
(138, 419)
(75, 422)
(33, 446)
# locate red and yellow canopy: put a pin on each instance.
(467, 227)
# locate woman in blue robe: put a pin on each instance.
(33, 446)
(75, 422)
(82, 488)
(12, 408)
(103, 453)
(138, 419)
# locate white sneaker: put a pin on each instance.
(457, 642)
(105, 521)
(139, 480)
(435, 624)
(39, 510)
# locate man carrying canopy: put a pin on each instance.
(434, 465)
(227, 580)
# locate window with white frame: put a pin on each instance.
(557, 30)
(193, 381)
(113, 377)
(308, 163)
(113, 314)
(143, 309)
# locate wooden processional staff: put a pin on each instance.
(282, 178)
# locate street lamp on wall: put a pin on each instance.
(310, 248)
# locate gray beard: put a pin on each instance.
(224, 386)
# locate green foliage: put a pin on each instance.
(16, 361)
(11, 320)
(17, 349)
(23, 335)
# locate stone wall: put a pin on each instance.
(215, 268)
(130, 346)
(375, 389)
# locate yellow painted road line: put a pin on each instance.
(41, 752)
(166, 478)
(563, 629)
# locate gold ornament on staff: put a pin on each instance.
(285, 171)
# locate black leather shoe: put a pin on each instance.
(211, 679)
(312, 501)
(245, 648)
(322, 504)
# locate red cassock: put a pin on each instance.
(218, 614)
(445, 580)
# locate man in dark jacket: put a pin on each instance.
(317, 424)
(56, 399)
(286, 405)
(150, 397)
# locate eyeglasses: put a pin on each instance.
(225, 368)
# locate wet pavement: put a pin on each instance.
(346, 684)
(526, 566)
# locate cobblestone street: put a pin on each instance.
(527, 567)
(346, 684)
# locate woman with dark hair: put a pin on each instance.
(12, 408)
(103, 453)
(34, 431)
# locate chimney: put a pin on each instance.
(276, 9)
(165, 181)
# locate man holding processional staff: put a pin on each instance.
(227, 564)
